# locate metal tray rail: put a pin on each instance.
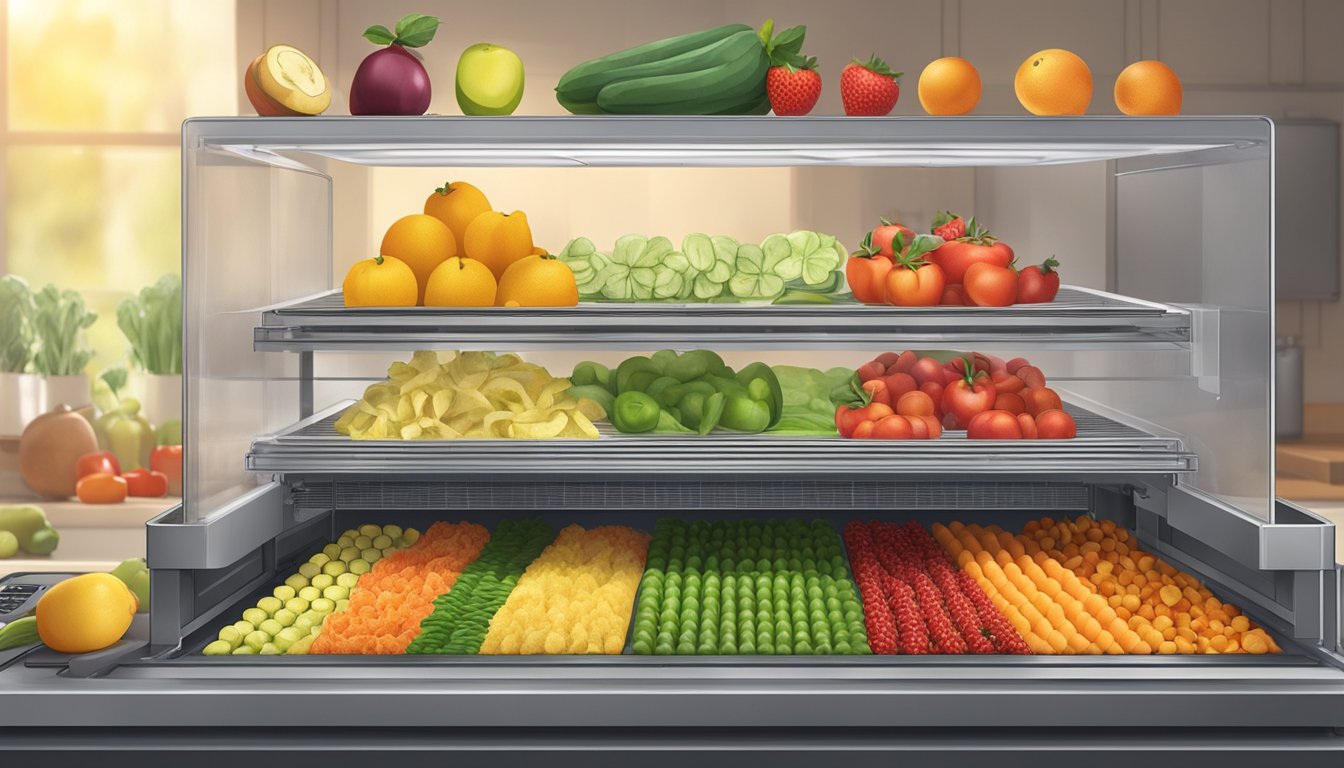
(1103, 446)
(1076, 316)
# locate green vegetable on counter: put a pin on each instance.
(58, 318)
(121, 428)
(810, 397)
(19, 633)
(152, 322)
(28, 525)
(707, 269)
(16, 324)
(672, 393)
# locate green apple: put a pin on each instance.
(135, 575)
(489, 80)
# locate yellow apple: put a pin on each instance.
(489, 80)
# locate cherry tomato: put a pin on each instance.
(877, 391)
(887, 359)
(971, 394)
(871, 370)
(954, 295)
(994, 425)
(1039, 399)
(898, 384)
(934, 390)
(904, 362)
(1028, 424)
(101, 488)
(1039, 284)
(919, 430)
(1007, 382)
(867, 277)
(848, 419)
(935, 428)
(927, 369)
(1031, 376)
(894, 427)
(1016, 363)
(989, 285)
(145, 482)
(98, 461)
(1055, 424)
(864, 431)
(915, 404)
(1011, 402)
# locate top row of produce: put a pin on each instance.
(728, 70)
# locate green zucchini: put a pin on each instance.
(734, 75)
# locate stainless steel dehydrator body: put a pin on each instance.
(1166, 360)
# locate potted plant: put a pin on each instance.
(22, 397)
(152, 323)
(59, 320)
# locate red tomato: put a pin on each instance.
(894, 427)
(915, 404)
(1037, 285)
(975, 247)
(971, 394)
(867, 277)
(1031, 376)
(101, 488)
(871, 370)
(1028, 424)
(915, 284)
(989, 285)
(904, 362)
(145, 482)
(1007, 382)
(848, 419)
(863, 431)
(877, 391)
(1016, 363)
(953, 294)
(935, 429)
(927, 369)
(919, 430)
(1011, 402)
(1039, 399)
(887, 359)
(898, 384)
(882, 238)
(168, 460)
(994, 425)
(1055, 424)
(98, 461)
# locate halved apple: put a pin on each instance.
(265, 105)
(293, 80)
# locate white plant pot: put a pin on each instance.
(163, 398)
(22, 399)
(67, 390)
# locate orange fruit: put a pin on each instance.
(1054, 82)
(1148, 88)
(383, 281)
(460, 282)
(498, 239)
(949, 86)
(85, 613)
(539, 280)
(422, 242)
(456, 204)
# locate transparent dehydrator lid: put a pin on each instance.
(1192, 274)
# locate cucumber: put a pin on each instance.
(584, 87)
(579, 86)
(735, 75)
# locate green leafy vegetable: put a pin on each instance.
(810, 398)
(16, 324)
(152, 322)
(58, 318)
(413, 31)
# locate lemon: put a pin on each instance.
(85, 613)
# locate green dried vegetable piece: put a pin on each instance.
(725, 258)
(755, 278)
(699, 250)
(821, 261)
(667, 283)
(705, 288)
(786, 260)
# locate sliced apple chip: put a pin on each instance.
(292, 81)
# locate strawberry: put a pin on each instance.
(793, 90)
(949, 226)
(870, 88)
(792, 82)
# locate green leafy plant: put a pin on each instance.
(58, 318)
(152, 322)
(413, 31)
(16, 324)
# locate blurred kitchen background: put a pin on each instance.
(94, 94)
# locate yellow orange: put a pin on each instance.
(456, 204)
(498, 239)
(539, 280)
(1054, 82)
(1148, 88)
(949, 86)
(423, 243)
(383, 281)
(85, 613)
(461, 282)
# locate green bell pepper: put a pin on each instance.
(635, 412)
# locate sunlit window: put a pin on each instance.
(95, 94)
